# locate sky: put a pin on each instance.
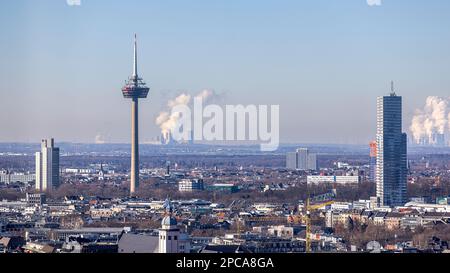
(63, 62)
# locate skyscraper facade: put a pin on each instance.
(391, 170)
(47, 166)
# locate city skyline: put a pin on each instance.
(258, 127)
(357, 48)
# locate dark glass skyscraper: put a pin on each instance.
(391, 171)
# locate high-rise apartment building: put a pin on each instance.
(47, 166)
(291, 160)
(391, 171)
(302, 159)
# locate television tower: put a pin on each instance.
(134, 89)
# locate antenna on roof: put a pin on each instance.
(392, 89)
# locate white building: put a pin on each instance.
(362, 204)
(427, 207)
(281, 231)
(24, 178)
(47, 166)
(341, 206)
(318, 179)
(190, 185)
(264, 208)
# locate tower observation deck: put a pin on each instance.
(135, 89)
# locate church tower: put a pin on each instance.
(169, 233)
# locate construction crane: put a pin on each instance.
(309, 208)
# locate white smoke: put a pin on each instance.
(433, 119)
(73, 2)
(205, 94)
(167, 120)
(448, 119)
(374, 2)
(182, 99)
(100, 139)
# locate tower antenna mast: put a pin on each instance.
(392, 89)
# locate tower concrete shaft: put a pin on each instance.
(134, 89)
(134, 146)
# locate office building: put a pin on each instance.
(190, 185)
(47, 166)
(391, 171)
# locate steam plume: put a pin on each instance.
(167, 120)
(432, 120)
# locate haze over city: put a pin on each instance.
(324, 62)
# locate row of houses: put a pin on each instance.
(391, 220)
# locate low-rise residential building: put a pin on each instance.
(101, 213)
(223, 187)
(393, 220)
(322, 179)
(36, 198)
(411, 220)
(379, 217)
(24, 178)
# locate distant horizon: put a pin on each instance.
(282, 144)
(181, 145)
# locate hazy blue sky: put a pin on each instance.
(323, 61)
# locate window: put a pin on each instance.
(169, 238)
